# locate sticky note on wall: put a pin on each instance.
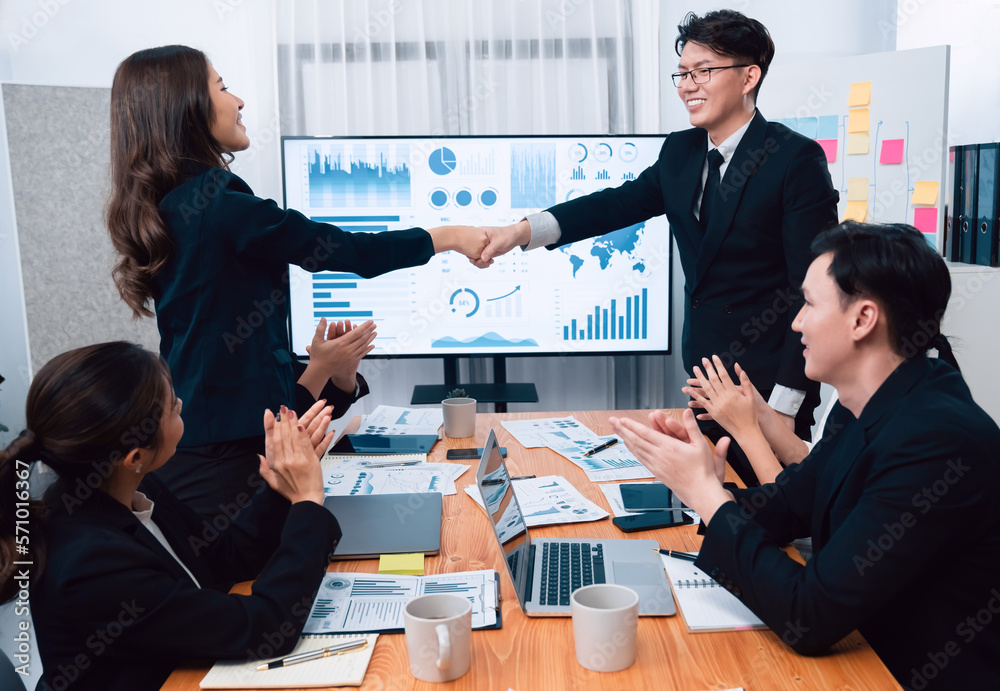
(857, 189)
(892, 151)
(861, 93)
(826, 127)
(857, 143)
(925, 192)
(926, 220)
(858, 120)
(829, 148)
(856, 211)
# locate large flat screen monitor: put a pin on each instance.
(609, 294)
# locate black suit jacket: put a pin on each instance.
(901, 506)
(743, 275)
(113, 610)
(222, 299)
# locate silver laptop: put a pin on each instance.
(545, 571)
(377, 524)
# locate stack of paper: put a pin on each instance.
(571, 439)
(355, 477)
(548, 501)
(388, 419)
(349, 602)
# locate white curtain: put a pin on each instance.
(453, 67)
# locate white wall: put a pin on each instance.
(971, 27)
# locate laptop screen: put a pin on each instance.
(505, 515)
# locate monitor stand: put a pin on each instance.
(500, 393)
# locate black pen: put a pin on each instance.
(597, 449)
(523, 477)
(340, 649)
(686, 556)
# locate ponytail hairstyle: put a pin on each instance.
(161, 119)
(895, 266)
(86, 410)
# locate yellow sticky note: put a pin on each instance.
(925, 192)
(858, 120)
(856, 211)
(857, 189)
(402, 564)
(861, 93)
(857, 143)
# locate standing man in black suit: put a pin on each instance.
(744, 198)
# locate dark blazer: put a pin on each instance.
(901, 506)
(742, 276)
(222, 299)
(113, 610)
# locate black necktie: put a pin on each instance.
(711, 188)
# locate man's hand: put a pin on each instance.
(679, 456)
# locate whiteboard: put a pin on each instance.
(908, 101)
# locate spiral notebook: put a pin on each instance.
(337, 670)
(704, 604)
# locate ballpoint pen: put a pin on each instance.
(597, 449)
(339, 649)
(387, 464)
(678, 555)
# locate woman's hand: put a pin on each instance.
(679, 456)
(730, 405)
(290, 466)
(335, 353)
(469, 240)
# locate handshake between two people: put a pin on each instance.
(482, 244)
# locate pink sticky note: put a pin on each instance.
(892, 151)
(926, 220)
(829, 148)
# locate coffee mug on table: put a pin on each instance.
(438, 636)
(605, 623)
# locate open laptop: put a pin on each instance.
(545, 571)
(377, 524)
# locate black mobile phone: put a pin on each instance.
(650, 520)
(651, 496)
(457, 454)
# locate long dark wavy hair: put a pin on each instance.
(161, 118)
(86, 410)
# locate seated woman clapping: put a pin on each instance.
(125, 580)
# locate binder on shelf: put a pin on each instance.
(967, 220)
(986, 206)
(952, 215)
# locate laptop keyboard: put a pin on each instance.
(567, 566)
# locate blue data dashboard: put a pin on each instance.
(608, 294)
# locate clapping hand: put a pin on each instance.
(290, 466)
(337, 350)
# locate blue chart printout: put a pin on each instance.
(605, 294)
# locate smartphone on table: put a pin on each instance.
(649, 496)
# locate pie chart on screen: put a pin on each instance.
(442, 161)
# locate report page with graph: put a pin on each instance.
(608, 294)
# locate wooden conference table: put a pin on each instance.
(530, 654)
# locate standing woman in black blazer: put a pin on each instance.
(191, 236)
(124, 580)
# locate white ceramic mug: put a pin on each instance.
(438, 636)
(605, 623)
(459, 417)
